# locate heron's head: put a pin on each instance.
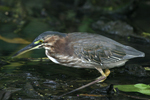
(45, 40)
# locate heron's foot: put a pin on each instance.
(107, 72)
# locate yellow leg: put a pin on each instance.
(107, 72)
(102, 78)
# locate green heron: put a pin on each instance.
(83, 50)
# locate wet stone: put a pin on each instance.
(108, 90)
(114, 27)
(2, 92)
(136, 70)
(51, 83)
(5, 94)
(30, 92)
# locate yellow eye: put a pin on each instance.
(39, 41)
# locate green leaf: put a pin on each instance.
(127, 88)
(147, 68)
(146, 91)
(141, 86)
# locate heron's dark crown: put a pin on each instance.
(49, 34)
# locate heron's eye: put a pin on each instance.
(39, 41)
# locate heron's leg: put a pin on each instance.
(93, 82)
(107, 72)
(99, 79)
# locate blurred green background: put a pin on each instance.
(26, 19)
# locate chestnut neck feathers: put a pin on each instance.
(58, 45)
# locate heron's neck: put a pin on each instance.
(59, 45)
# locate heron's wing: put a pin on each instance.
(99, 53)
(100, 49)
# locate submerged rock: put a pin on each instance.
(114, 27)
(136, 70)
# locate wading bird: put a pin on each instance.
(83, 50)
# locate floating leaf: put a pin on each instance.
(146, 91)
(141, 88)
(127, 88)
(146, 34)
(147, 68)
(15, 40)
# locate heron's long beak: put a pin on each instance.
(27, 48)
